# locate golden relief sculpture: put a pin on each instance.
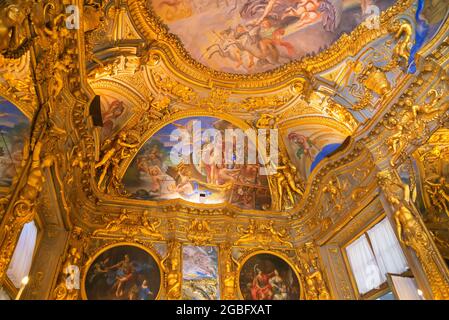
(199, 232)
(67, 288)
(412, 232)
(171, 265)
(439, 194)
(130, 226)
(262, 234)
(333, 188)
(403, 34)
(114, 153)
(411, 123)
(316, 288)
(285, 185)
(229, 277)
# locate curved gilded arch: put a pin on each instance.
(14, 131)
(156, 174)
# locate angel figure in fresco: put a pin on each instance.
(306, 12)
(124, 272)
(304, 144)
(304, 149)
(150, 164)
(183, 184)
(271, 38)
(110, 115)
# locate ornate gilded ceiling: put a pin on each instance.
(252, 36)
(350, 103)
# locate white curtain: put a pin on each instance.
(406, 288)
(363, 264)
(20, 264)
(387, 250)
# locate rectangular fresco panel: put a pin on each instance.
(200, 273)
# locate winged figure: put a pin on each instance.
(306, 12)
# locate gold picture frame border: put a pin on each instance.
(107, 247)
(243, 260)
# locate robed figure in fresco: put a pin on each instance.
(261, 288)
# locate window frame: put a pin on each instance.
(385, 286)
(8, 286)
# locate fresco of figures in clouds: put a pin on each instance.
(115, 112)
(200, 273)
(14, 130)
(153, 176)
(309, 144)
(251, 36)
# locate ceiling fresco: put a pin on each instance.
(155, 175)
(252, 36)
(309, 143)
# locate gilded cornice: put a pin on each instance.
(172, 50)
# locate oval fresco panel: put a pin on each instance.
(153, 175)
(14, 130)
(251, 36)
(266, 276)
(123, 272)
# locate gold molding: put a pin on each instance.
(294, 267)
(152, 28)
(105, 248)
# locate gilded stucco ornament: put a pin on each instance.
(171, 265)
(23, 209)
(114, 152)
(131, 225)
(262, 234)
(412, 233)
(411, 123)
(315, 284)
(175, 87)
(199, 232)
(173, 51)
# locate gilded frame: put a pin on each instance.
(280, 255)
(105, 248)
(151, 27)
